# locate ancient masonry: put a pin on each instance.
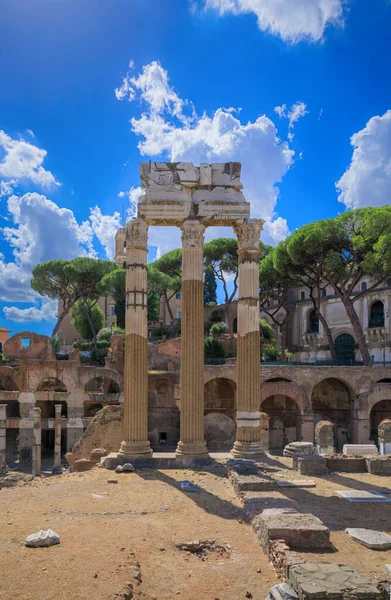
(192, 198)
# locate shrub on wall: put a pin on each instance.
(213, 348)
(218, 328)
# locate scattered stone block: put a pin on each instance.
(112, 480)
(360, 449)
(310, 465)
(252, 483)
(387, 569)
(128, 468)
(243, 466)
(346, 464)
(300, 531)
(299, 449)
(362, 496)
(42, 539)
(376, 540)
(379, 465)
(83, 464)
(282, 591)
(187, 486)
(326, 581)
(119, 469)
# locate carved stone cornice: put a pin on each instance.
(192, 234)
(137, 234)
(248, 233)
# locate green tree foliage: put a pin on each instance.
(218, 328)
(213, 348)
(105, 334)
(340, 252)
(266, 331)
(51, 279)
(210, 288)
(165, 276)
(113, 284)
(82, 322)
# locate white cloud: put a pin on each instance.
(367, 180)
(40, 231)
(171, 127)
(132, 195)
(20, 160)
(296, 112)
(291, 20)
(45, 312)
(7, 187)
(105, 227)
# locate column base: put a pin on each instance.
(248, 450)
(192, 449)
(135, 449)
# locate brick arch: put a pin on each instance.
(380, 392)
(350, 383)
(283, 388)
(86, 374)
(219, 373)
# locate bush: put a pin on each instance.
(96, 357)
(272, 353)
(57, 343)
(218, 328)
(106, 333)
(62, 357)
(85, 346)
(102, 344)
(267, 331)
(217, 316)
(213, 348)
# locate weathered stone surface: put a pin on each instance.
(243, 466)
(310, 465)
(360, 449)
(362, 496)
(42, 539)
(346, 464)
(83, 464)
(252, 483)
(387, 569)
(324, 437)
(326, 581)
(299, 449)
(376, 540)
(379, 465)
(128, 468)
(282, 591)
(300, 531)
(297, 483)
(14, 479)
(97, 454)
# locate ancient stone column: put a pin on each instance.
(136, 343)
(25, 443)
(57, 468)
(3, 432)
(36, 466)
(248, 435)
(192, 442)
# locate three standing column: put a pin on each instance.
(136, 343)
(248, 433)
(192, 443)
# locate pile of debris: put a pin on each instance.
(203, 548)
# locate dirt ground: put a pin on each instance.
(147, 514)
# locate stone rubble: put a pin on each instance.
(376, 540)
(42, 539)
(205, 547)
(282, 591)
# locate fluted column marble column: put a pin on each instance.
(248, 434)
(3, 434)
(192, 443)
(136, 344)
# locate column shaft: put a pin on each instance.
(248, 434)
(192, 441)
(136, 343)
(57, 468)
(36, 466)
(3, 434)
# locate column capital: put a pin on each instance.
(137, 234)
(192, 234)
(58, 409)
(248, 233)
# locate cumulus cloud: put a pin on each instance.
(170, 126)
(39, 231)
(291, 20)
(105, 227)
(46, 311)
(132, 195)
(22, 161)
(367, 180)
(296, 112)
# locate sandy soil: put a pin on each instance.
(145, 513)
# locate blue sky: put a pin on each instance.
(91, 88)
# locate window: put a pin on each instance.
(313, 323)
(112, 311)
(25, 343)
(162, 437)
(324, 292)
(363, 286)
(376, 317)
(302, 296)
(179, 315)
(178, 295)
(124, 244)
(1, 347)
